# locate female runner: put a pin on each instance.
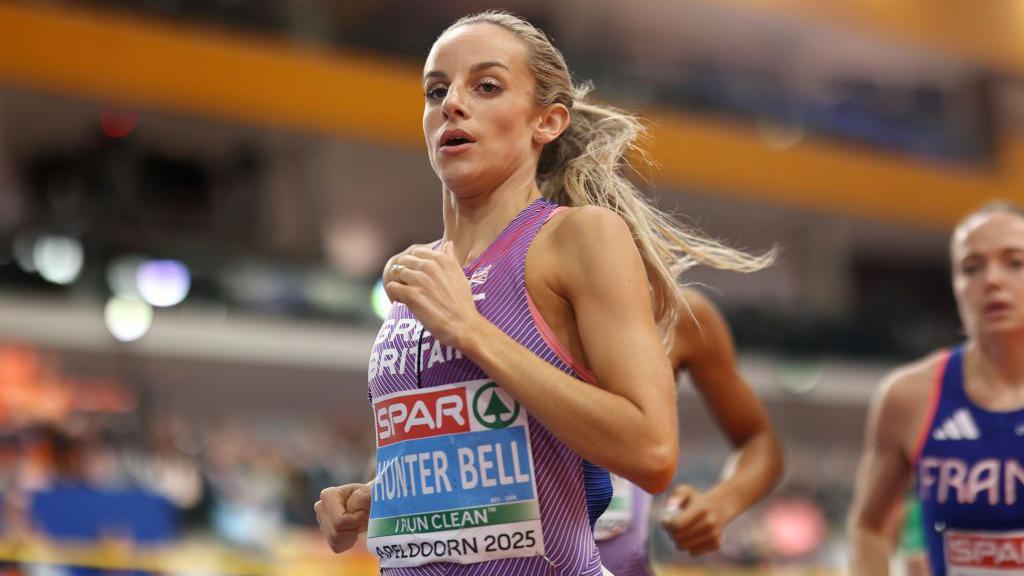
(955, 421)
(521, 358)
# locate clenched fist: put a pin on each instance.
(434, 286)
(343, 513)
(695, 520)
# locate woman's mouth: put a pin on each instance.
(997, 308)
(453, 142)
(457, 146)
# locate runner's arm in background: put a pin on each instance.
(705, 348)
(884, 474)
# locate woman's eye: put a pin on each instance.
(437, 93)
(489, 87)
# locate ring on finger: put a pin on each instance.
(396, 268)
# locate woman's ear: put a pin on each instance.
(553, 121)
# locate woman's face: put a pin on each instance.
(988, 273)
(479, 116)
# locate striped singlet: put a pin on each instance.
(570, 492)
(970, 482)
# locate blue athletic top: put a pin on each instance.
(970, 481)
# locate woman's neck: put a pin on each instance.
(1000, 360)
(473, 222)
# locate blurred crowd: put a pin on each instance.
(242, 483)
(246, 485)
(148, 475)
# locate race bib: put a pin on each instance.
(984, 553)
(617, 517)
(455, 478)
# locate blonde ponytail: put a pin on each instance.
(586, 166)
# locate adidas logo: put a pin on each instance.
(959, 426)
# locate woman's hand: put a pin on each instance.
(390, 273)
(695, 520)
(343, 513)
(434, 287)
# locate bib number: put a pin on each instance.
(455, 478)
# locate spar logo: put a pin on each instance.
(491, 407)
(421, 415)
(980, 550)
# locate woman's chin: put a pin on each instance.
(1002, 327)
(460, 183)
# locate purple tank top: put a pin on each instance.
(459, 463)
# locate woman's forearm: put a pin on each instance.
(637, 443)
(754, 470)
(869, 555)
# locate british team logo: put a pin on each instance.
(479, 276)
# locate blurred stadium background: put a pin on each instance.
(197, 196)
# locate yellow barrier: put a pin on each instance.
(298, 554)
(986, 32)
(146, 63)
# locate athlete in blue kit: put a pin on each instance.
(955, 420)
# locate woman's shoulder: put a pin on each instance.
(701, 331)
(582, 245)
(909, 388)
(697, 309)
(587, 228)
